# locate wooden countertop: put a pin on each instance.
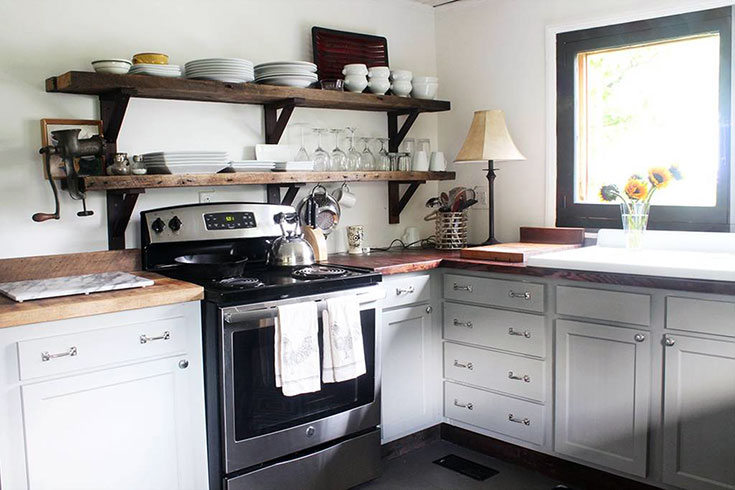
(400, 261)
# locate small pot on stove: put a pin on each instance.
(290, 249)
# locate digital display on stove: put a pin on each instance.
(229, 221)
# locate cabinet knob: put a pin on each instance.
(183, 364)
(429, 309)
(639, 337)
(670, 341)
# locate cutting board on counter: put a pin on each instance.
(70, 285)
(534, 241)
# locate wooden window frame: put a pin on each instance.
(568, 46)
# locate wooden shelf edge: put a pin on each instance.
(123, 182)
(143, 86)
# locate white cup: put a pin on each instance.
(437, 163)
(355, 236)
(404, 75)
(356, 83)
(344, 197)
(420, 161)
(411, 236)
(401, 88)
(355, 69)
(379, 72)
(378, 85)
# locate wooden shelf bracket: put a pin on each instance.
(275, 124)
(120, 205)
(273, 192)
(396, 135)
(396, 202)
(112, 113)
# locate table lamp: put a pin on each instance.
(488, 140)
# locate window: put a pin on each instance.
(639, 95)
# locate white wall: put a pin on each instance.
(39, 39)
(491, 54)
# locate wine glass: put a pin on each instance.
(320, 155)
(367, 159)
(302, 155)
(353, 155)
(338, 158)
(383, 157)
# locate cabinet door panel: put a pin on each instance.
(699, 414)
(80, 428)
(602, 395)
(406, 394)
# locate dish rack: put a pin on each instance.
(451, 230)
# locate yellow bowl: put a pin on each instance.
(152, 58)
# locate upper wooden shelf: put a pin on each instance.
(122, 182)
(144, 86)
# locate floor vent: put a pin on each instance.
(466, 467)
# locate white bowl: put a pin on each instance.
(355, 69)
(356, 83)
(425, 80)
(424, 90)
(116, 67)
(378, 85)
(404, 75)
(379, 72)
(401, 88)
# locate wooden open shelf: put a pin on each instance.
(123, 182)
(144, 86)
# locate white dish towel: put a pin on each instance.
(296, 343)
(344, 354)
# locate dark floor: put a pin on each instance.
(416, 471)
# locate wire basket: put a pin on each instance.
(451, 230)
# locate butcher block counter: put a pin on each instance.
(164, 291)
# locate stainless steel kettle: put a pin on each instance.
(290, 249)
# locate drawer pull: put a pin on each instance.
(408, 290)
(524, 420)
(144, 339)
(469, 365)
(468, 406)
(524, 295)
(525, 333)
(525, 377)
(457, 323)
(467, 288)
(45, 356)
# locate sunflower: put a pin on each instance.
(659, 177)
(609, 192)
(636, 189)
(676, 171)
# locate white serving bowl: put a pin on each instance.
(424, 90)
(355, 69)
(401, 88)
(378, 85)
(403, 75)
(114, 66)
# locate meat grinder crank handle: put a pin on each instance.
(41, 217)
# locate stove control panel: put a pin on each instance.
(229, 221)
(212, 221)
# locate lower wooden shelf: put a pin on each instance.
(123, 182)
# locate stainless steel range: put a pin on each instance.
(257, 437)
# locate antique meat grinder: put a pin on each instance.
(69, 147)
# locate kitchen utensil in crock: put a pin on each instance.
(290, 249)
(212, 265)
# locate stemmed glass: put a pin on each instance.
(353, 155)
(383, 157)
(320, 155)
(302, 155)
(338, 158)
(367, 159)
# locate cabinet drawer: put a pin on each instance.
(498, 413)
(496, 292)
(511, 374)
(406, 290)
(499, 329)
(613, 306)
(699, 315)
(65, 353)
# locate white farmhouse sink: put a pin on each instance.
(689, 255)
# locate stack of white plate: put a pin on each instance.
(287, 73)
(230, 70)
(185, 162)
(155, 70)
(252, 166)
(294, 166)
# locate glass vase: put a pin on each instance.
(635, 219)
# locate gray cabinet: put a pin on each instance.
(699, 413)
(602, 394)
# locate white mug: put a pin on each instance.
(437, 163)
(356, 83)
(355, 234)
(411, 237)
(344, 197)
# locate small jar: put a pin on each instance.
(120, 165)
(138, 167)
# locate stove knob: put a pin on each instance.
(158, 225)
(175, 223)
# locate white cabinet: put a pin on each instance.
(602, 394)
(407, 392)
(121, 412)
(699, 413)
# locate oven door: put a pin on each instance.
(260, 423)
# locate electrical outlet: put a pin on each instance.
(481, 196)
(206, 196)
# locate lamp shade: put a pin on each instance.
(488, 139)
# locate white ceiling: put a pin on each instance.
(436, 3)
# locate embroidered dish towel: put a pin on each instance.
(296, 343)
(344, 354)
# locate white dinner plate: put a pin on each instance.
(304, 64)
(287, 82)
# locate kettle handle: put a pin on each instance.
(290, 218)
